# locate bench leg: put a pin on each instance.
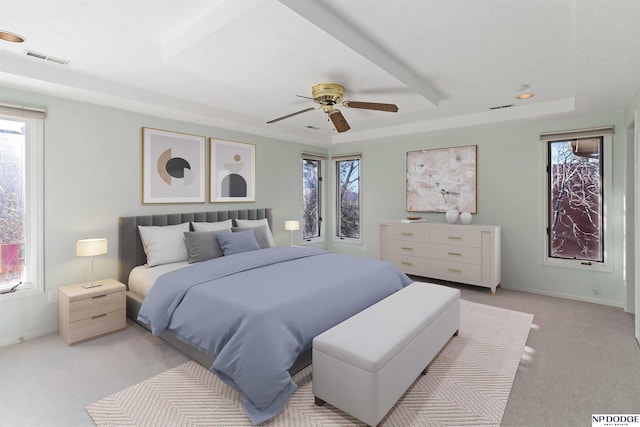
(319, 401)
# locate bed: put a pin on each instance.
(250, 315)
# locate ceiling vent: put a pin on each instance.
(499, 107)
(46, 57)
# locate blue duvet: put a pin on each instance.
(255, 312)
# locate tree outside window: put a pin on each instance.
(311, 193)
(348, 198)
(576, 205)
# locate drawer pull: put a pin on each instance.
(407, 234)
(454, 237)
(454, 253)
(406, 263)
(98, 316)
(404, 248)
(99, 296)
(454, 270)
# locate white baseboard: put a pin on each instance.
(16, 340)
(566, 296)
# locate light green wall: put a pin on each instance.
(93, 175)
(93, 161)
(511, 171)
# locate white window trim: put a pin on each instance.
(334, 160)
(607, 143)
(323, 162)
(34, 199)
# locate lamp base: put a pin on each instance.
(91, 285)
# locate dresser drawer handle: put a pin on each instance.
(454, 237)
(454, 253)
(406, 263)
(407, 234)
(405, 248)
(454, 270)
(99, 296)
(98, 316)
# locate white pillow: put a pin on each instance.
(164, 244)
(213, 226)
(252, 223)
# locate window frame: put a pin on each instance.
(606, 133)
(33, 283)
(321, 200)
(335, 161)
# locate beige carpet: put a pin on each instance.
(467, 384)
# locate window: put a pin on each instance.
(348, 197)
(312, 197)
(578, 190)
(21, 167)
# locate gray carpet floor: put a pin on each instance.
(581, 359)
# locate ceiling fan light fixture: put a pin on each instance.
(11, 37)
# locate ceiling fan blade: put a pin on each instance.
(339, 121)
(292, 114)
(392, 108)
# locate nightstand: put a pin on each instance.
(85, 313)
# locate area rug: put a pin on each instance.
(468, 383)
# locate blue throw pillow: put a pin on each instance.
(238, 242)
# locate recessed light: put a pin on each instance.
(11, 37)
(525, 96)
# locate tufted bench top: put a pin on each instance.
(371, 338)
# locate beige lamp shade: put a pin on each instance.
(292, 225)
(91, 247)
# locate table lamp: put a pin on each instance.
(91, 247)
(292, 226)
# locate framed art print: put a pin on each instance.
(173, 167)
(233, 170)
(442, 179)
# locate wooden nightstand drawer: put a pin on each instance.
(97, 325)
(96, 305)
(85, 313)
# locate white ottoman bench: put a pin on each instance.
(364, 364)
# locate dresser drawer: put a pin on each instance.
(410, 264)
(408, 247)
(96, 305)
(456, 271)
(96, 325)
(409, 232)
(458, 236)
(463, 254)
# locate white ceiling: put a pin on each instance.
(237, 64)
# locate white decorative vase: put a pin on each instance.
(465, 218)
(451, 216)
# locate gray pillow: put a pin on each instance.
(238, 242)
(262, 234)
(203, 245)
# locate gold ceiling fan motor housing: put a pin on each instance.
(327, 93)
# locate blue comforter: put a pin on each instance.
(255, 312)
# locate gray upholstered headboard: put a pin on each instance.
(130, 250)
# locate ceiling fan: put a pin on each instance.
(330, 94)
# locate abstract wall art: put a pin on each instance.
(442, 179)
(232, 171)
(173, 167)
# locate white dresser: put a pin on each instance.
(459, 253)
